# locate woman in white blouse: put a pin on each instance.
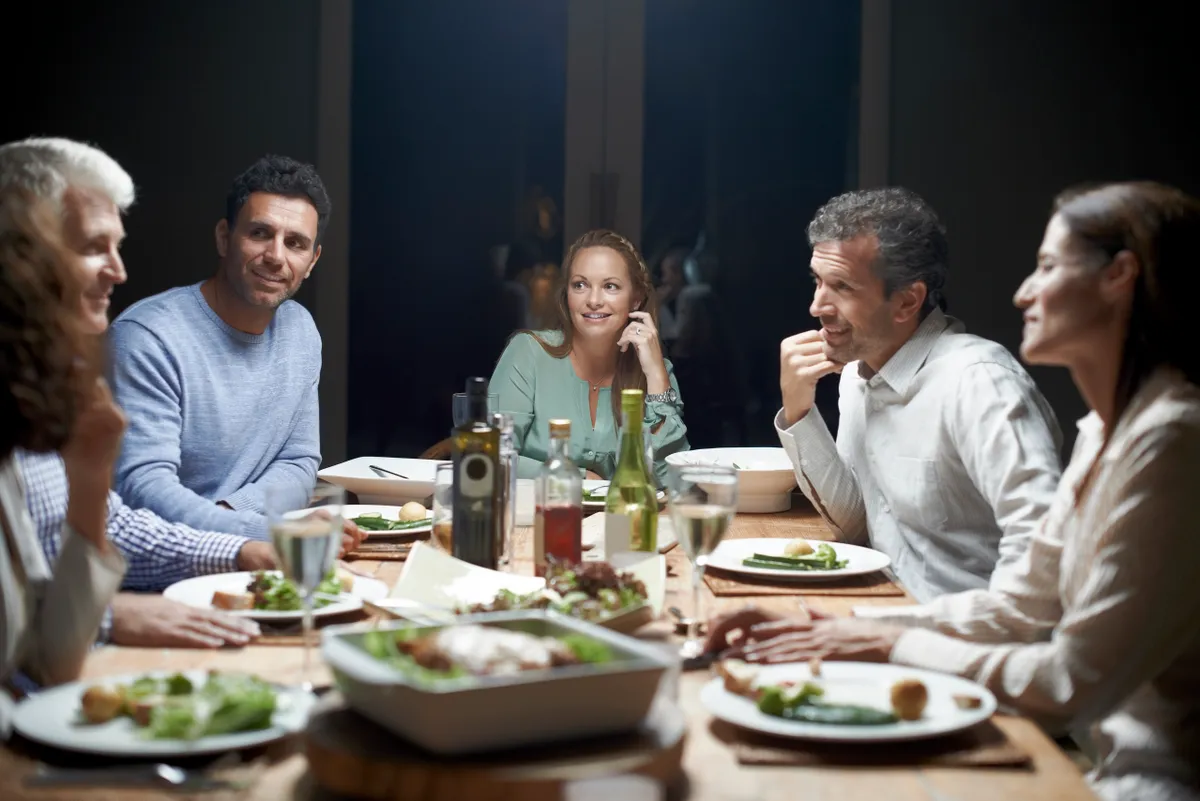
(1097, 630)
(50, 399)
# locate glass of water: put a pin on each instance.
(702, 500)
(307, 535)
(460, 411)
(443, 507)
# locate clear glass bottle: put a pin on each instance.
(508, 466)
(558, 493)
(631, 510)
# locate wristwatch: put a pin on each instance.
(670, 396)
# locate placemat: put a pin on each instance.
(380, 551)
(982, 746)
(875, 584)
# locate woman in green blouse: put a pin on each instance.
(607, 340)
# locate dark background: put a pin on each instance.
(750, 123)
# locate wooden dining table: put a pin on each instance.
(712, 769)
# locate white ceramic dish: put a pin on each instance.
(859, 560)
(52, 717)
(357, 476)
(765, 475)
(433, 584)
(351, 511)
(856, 683)
(198, 592)
(474, 714)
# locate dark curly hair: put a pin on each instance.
(47, 360)
(912, 239)
(280, 175)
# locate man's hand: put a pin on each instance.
(352, 537)
(151, 621)
(257, 555)
(802, 362)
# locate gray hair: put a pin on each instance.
(46, 166)
(912, 240)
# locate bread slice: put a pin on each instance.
(233, 600)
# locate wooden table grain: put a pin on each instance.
(713, 773)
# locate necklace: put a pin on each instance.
(596, 387)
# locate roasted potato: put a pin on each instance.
(909, 697)
(798, 547)
(412, 511)
(102, 703)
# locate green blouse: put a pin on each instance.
(534, 387)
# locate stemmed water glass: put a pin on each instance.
(702, 500)
(307, 536)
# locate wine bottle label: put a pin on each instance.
(618, 530)
(476, 477)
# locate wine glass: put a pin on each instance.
(443, 507)
(460, 410)
(703, 500)
(307, 535)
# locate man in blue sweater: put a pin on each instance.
(219, 379)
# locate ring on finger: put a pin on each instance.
(638, 331)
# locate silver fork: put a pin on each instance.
(155, 775)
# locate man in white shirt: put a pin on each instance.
(947, 455)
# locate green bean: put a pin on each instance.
(838, 714)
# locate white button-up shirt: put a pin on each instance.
(1097, 628)
(945, 460)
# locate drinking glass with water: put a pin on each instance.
(703, 500)
(307, 535)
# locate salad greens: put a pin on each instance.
(587, 590)
(386, 646)
(272, 592)
(804, 704)
(174, 708)
(822, 558)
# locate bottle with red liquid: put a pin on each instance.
(558, 520)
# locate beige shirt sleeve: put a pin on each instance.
(824, 478)
(68, 618)
(1133, 607)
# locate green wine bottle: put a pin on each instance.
(631, 509)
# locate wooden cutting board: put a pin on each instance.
(350, 755)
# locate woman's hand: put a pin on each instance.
(642, 334)
(830, 639)
(89, 456)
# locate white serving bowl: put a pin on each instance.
(475, 714)
(765, 475)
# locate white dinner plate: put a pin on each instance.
(856, 683)
(357, 476)
(351, 511)
(53, 717)
(859, 560)
(198, 592)
(598, 506)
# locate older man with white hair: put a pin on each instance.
(91, 191)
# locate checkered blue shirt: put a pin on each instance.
(158, 553)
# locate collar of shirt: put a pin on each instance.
(901, 370)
